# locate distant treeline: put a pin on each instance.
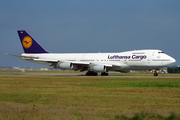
(173, 69)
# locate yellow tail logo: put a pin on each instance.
(27, 42)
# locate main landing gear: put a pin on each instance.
(104, 74)
(91, 73)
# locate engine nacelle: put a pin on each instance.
(64, 65)
(98, 68)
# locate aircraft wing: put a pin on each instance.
(74, 62)
(82, 66)
(77, 66)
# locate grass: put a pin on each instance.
(133, 84)
(56, 72)
(148, 116)
(54, 97)
(27, 72)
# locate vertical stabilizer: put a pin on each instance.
(29, 44)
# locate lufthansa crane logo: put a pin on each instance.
(27, 42)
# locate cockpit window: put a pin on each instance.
(161, 52)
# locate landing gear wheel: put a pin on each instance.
(87, 74)
(90, 73)
(95, 74)
(104, 74)
(155, 74)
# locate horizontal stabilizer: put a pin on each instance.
(13, 55)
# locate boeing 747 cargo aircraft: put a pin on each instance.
(94, 63)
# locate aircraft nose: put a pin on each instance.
(173, 60)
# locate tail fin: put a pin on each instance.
(29, 44)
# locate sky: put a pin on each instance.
(89, 26)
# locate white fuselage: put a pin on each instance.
(122, 61)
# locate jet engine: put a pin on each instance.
(64, 65)
(98, 68)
